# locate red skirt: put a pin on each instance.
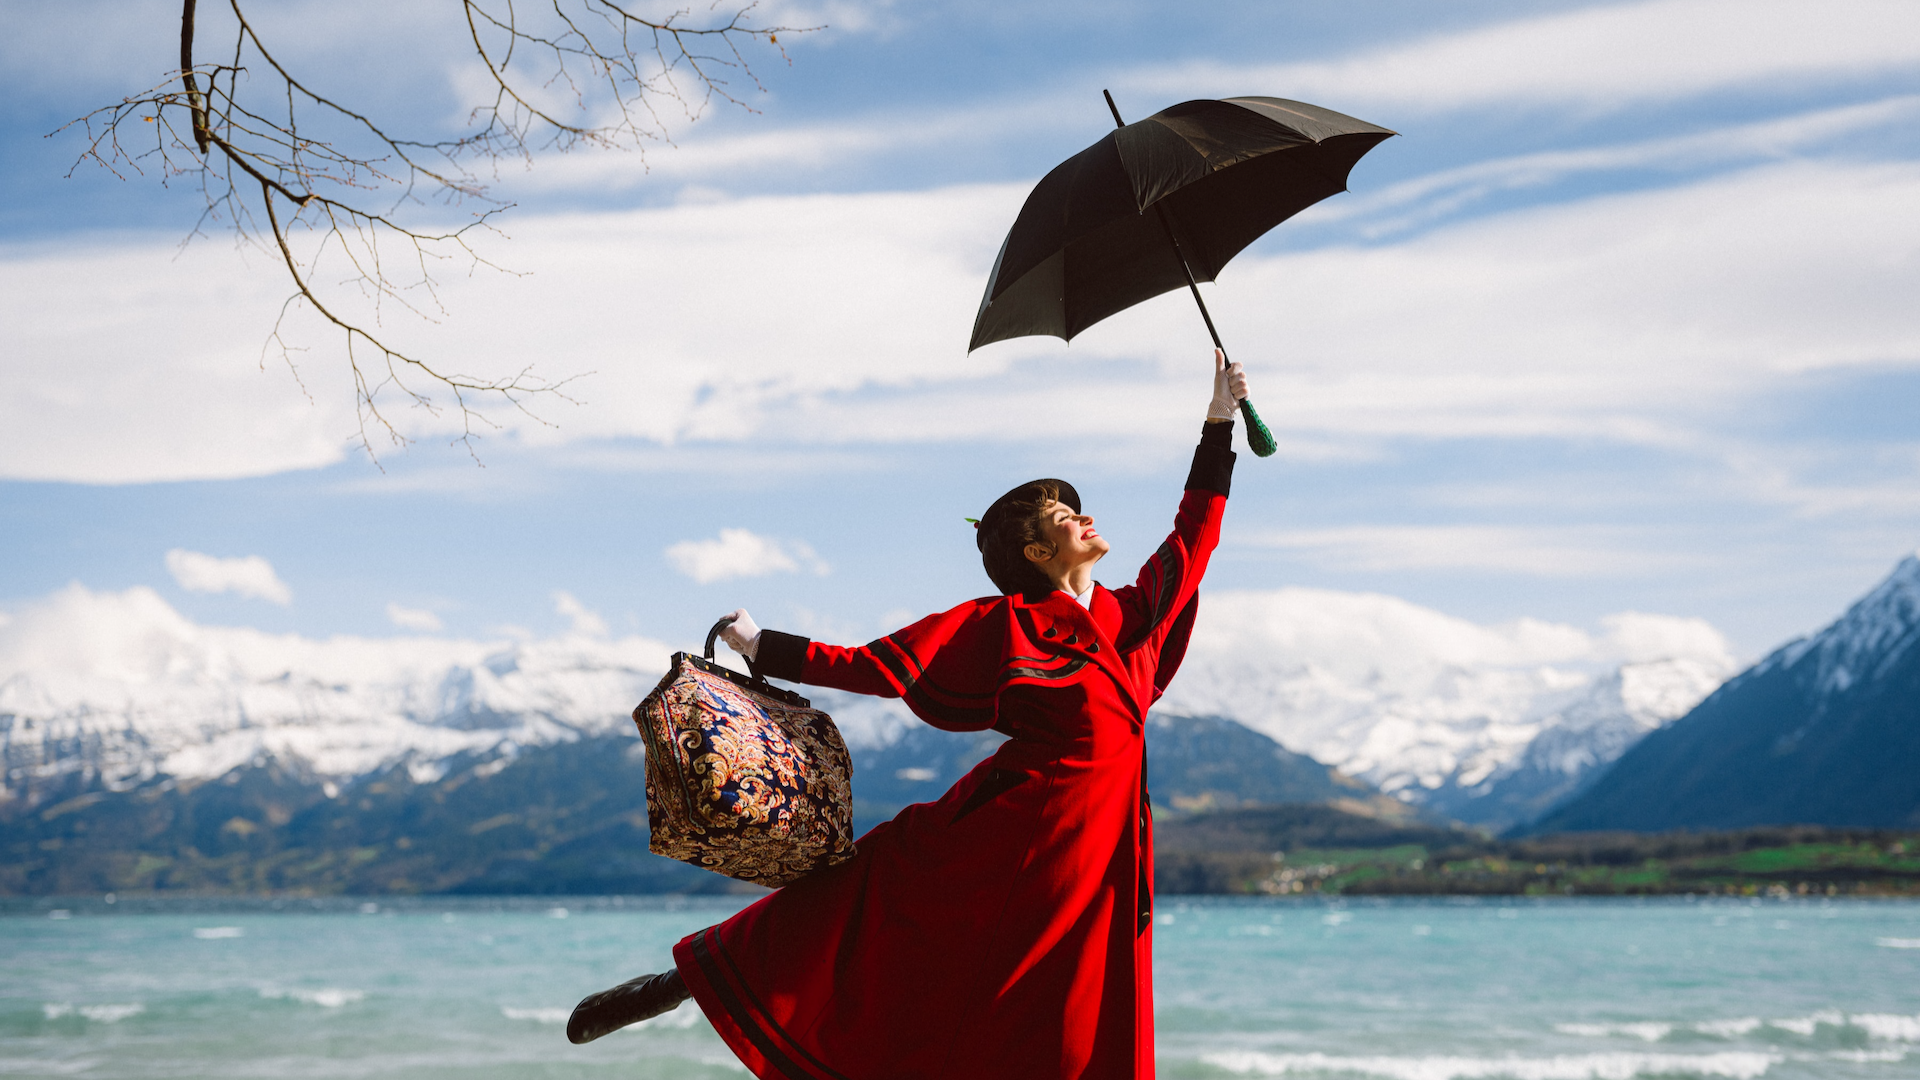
(1001, 931)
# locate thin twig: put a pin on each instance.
(330, 161)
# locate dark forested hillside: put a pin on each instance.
(567, 818)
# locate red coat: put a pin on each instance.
(1005, 930)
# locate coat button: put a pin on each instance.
(1073, 639)
(1049, 632)
(1093, 646)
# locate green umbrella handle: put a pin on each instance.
(1259, 439)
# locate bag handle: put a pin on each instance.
(752, 681)
(725, 621)
(752, 668)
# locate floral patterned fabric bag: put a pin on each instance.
(743, 778)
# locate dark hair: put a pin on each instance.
(1009, 526)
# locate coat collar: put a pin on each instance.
(1057, 611)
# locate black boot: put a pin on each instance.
(629, 1003)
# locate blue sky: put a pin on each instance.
(1624, 320)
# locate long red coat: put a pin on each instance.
(1005, 930)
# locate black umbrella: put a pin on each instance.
(1217, 174)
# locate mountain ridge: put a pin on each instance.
(1439, 711)
(569, 817)
(1825, 730)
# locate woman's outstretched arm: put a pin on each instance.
(1163, 596)
(1170, 579)
(944, 666)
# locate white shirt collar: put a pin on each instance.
(1085, 599)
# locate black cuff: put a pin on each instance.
(780, 656)
(1213, 460)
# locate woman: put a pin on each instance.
(1005, 930)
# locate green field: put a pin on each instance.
(1775, 861)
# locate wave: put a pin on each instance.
(326, 997)
(1897, 942)
(1651, 1031)
(1891, 1027)
(1869, 1056)
(684, 1017)
(1730, 1029)
(1732, 1065)
(100, 1014)
(214, 933)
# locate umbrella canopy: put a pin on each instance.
(1222, 173)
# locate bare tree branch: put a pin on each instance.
(259, 135)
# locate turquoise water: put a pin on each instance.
(1403, 990)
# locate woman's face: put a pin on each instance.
(1072, 537)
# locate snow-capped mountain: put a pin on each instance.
(1483, 723)
(1573, 743)
(122, 686)
(1475, 721)
(1876, 635)
(1825, 730)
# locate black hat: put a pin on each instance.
(998, 511)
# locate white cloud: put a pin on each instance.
(1528, 550)
(1637, 637)
(148, 365)
(843, 320)
(248, 575)
(157, 383)
(407, 618)
(719, 156)
(1353, 633)
(1598, 57)
(585, 621)
(739, 553)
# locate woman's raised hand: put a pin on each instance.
(1229, 387)
(742, 636)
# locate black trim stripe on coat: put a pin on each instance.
(923, 693)
(1168, 566)
(1066, 670)
(895, 659)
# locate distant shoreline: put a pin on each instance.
(210, 906)
(1305, 850)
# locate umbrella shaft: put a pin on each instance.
(1193, 286)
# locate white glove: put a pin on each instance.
(1229, 387)
(742, 636)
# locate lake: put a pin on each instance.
(1433, 989)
